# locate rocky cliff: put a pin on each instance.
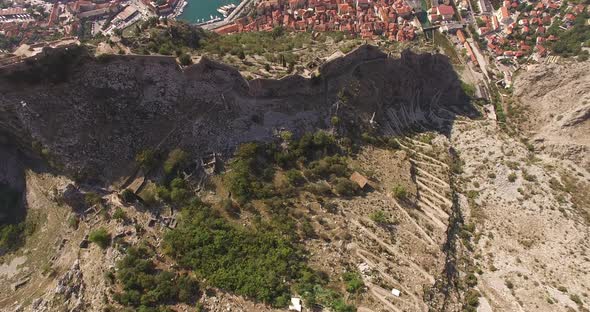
(93, 115)
(557, 106)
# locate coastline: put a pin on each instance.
(179, 9)
(199, 13)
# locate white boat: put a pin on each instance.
(222, 11)
(225, 10)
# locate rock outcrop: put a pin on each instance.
(558, 108)
(93, 115)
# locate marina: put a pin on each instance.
(202, 12)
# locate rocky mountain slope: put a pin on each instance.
(487, 222)
(557, 104)
(88, 112)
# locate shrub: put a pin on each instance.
(575, 298)
(471, 280)
(163, 193)
(512, 177)
(177, 159)
(295, 177)
(258, 263)
(509, 284)
(250, 173)
(472, 298)
(11, 235)
(119, 214)
(179, 195)
(399, 191)
(335, 121)
(149, 289)
(92, 198)
(345, 187)
(308, 230)
(146, 159)
(379, 217)
(100, 237)
(128, 196)
(354, 282)
(12, 232)
(185, 60)
(73, 222)
(320, 189)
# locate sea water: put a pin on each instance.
(202, 10)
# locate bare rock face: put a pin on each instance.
(93, 116)
(557, 99)
(72, 196)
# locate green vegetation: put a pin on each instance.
(257, 262)
(571, 41)
(7, 43)
(399, 191)
(176, 38)
(100, 237)
(119, 214)
(92, 198)
(468, 89)
(354, 282)
(149, 289)
(442, 41)
(295, 177)
(249, 172)
(177, 192)
(128, 196)
(261, 260)
(379, 217)
(335, 121)
(146, 159)
(11, 231)
(317, 155)
(313, 290)
(176, 160)
(276, 46)
(512, 177)
(345, 187)
(471, 300)
(185, 59)
(11, 236)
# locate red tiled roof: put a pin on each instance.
(445, 10)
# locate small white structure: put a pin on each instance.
(295, 305)
(395, 292)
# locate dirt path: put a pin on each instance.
(392, 250)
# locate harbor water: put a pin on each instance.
(198, 11)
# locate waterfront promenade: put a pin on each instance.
(240, 9)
